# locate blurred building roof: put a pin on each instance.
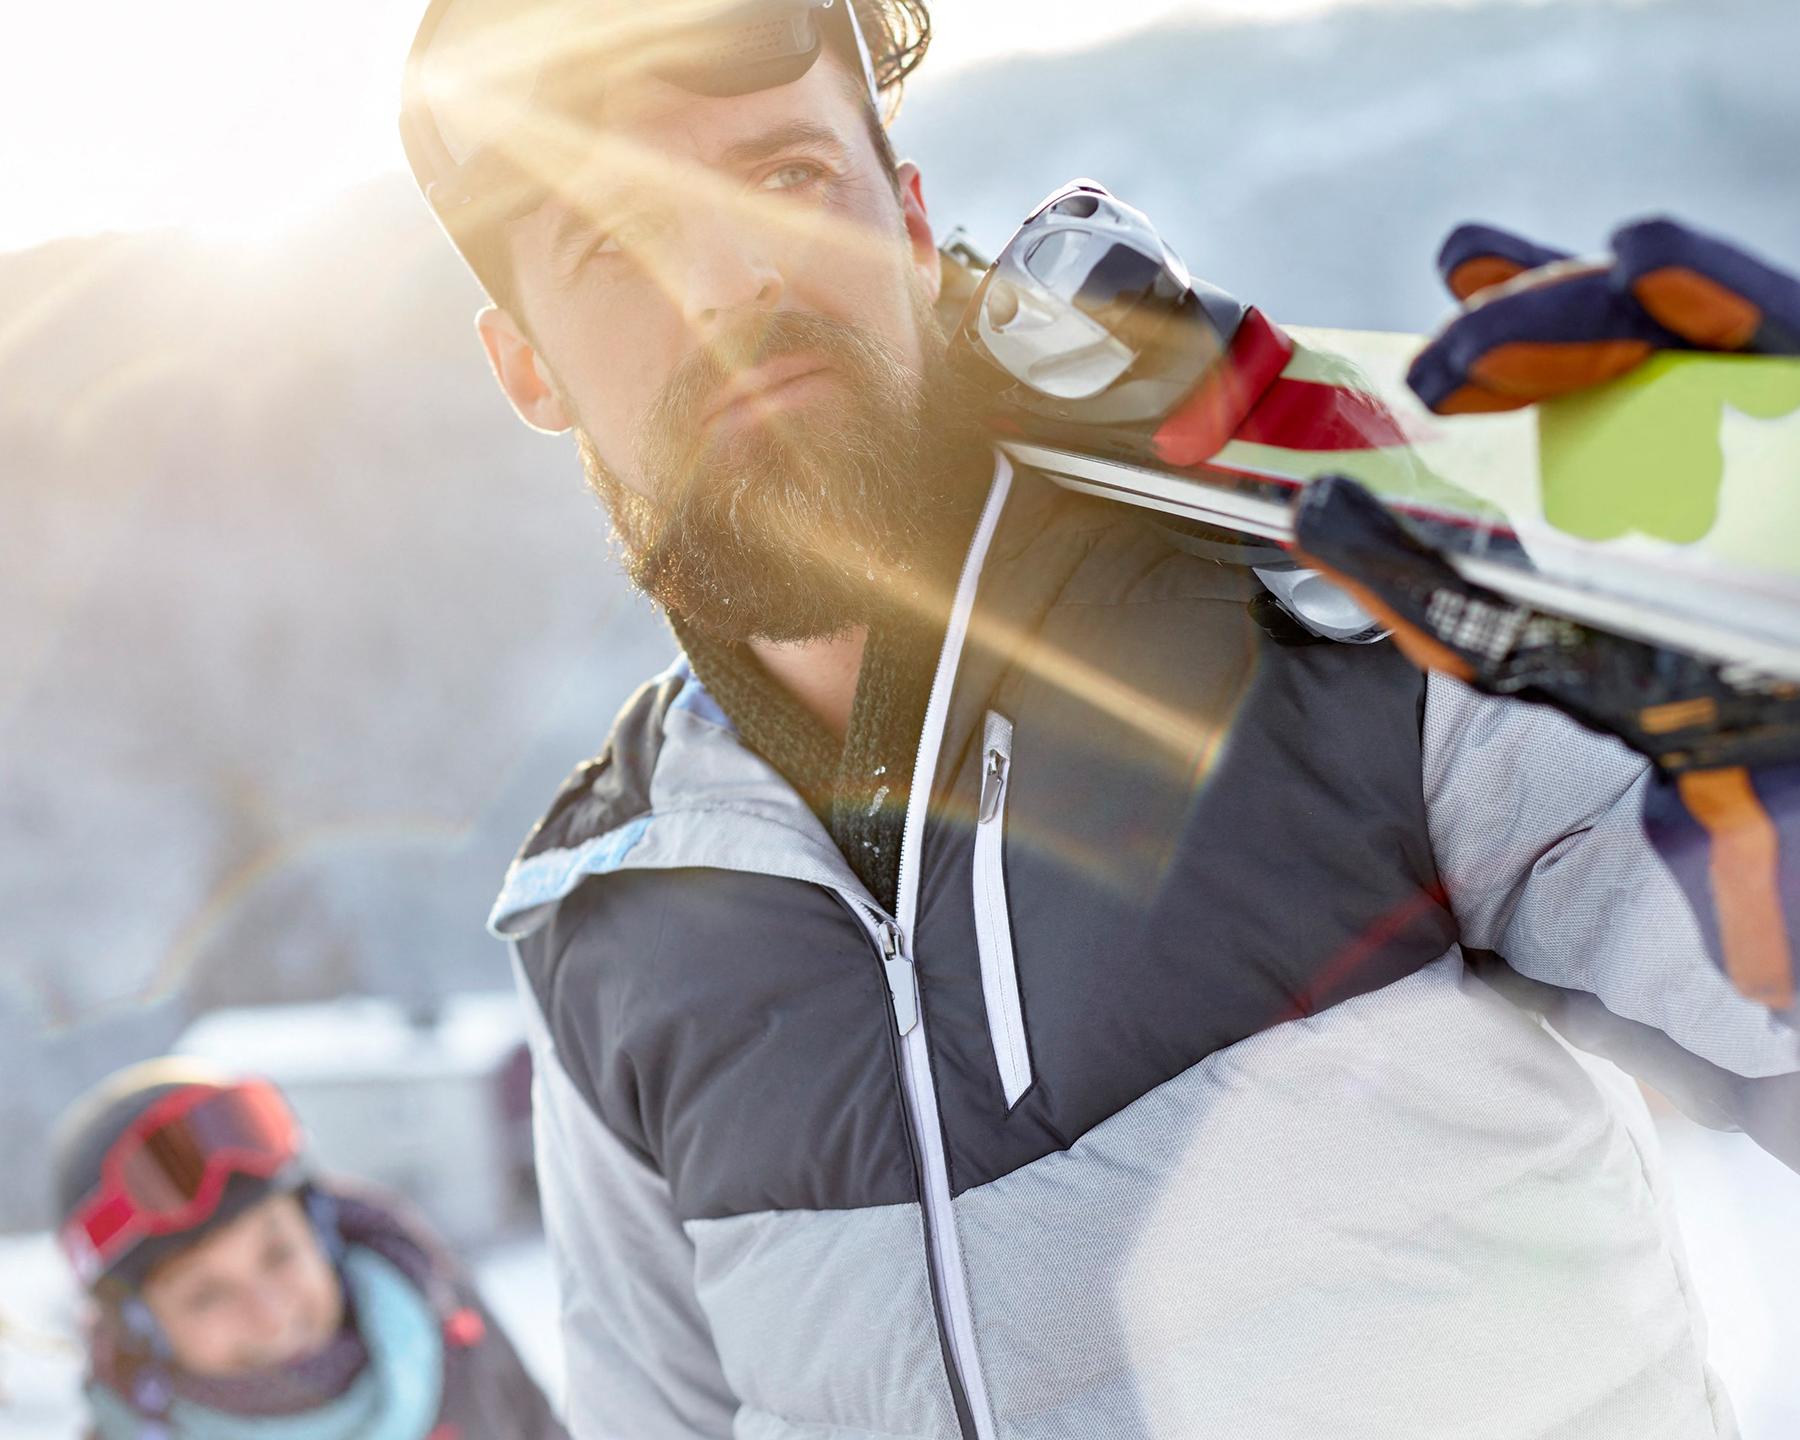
(361, 1037)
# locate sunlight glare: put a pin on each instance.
(230, 119)
(235, 119)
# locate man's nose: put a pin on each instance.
(730, 268)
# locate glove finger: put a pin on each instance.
(1731, 838)
(1711, 293)
(1475, 257)
(1552, 331)
(1355, 541)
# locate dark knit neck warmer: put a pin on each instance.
(857, 787)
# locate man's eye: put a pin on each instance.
(613, 242)
(790, 177)
(624, 238)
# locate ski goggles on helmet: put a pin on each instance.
(482, 74)
(167, 1171)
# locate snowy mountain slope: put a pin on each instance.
(1312, 167)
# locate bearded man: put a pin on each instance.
(989, 985)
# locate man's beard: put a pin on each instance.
(805, 522)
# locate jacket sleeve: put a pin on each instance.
(1537, 828)
(639, 1357)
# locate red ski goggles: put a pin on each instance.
(167, 1172)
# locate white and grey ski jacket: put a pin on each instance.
(1172, 1102)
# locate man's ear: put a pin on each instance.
(521, 372)
(918, 228)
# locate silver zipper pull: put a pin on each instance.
(993, 785)
(903, 983)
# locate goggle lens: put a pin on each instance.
(169, 1169)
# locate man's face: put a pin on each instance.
(732, 307)
(255, 1293)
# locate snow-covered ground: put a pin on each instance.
(1740, 1215)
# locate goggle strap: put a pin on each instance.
(862, 50)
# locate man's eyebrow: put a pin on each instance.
(793, 135)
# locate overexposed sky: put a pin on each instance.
(236, 117)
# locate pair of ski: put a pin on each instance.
(1665, 506)
(1657, 518)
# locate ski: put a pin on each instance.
(1663, 508)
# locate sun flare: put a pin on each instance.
(234, 120)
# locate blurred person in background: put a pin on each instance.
(236, 1293)
(989, 985)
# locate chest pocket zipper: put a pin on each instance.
(993, 924)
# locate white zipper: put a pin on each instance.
(993, 923)
(903, 983)
(915, 1058)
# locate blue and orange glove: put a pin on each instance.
(1536, 323)
(1724, 811)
